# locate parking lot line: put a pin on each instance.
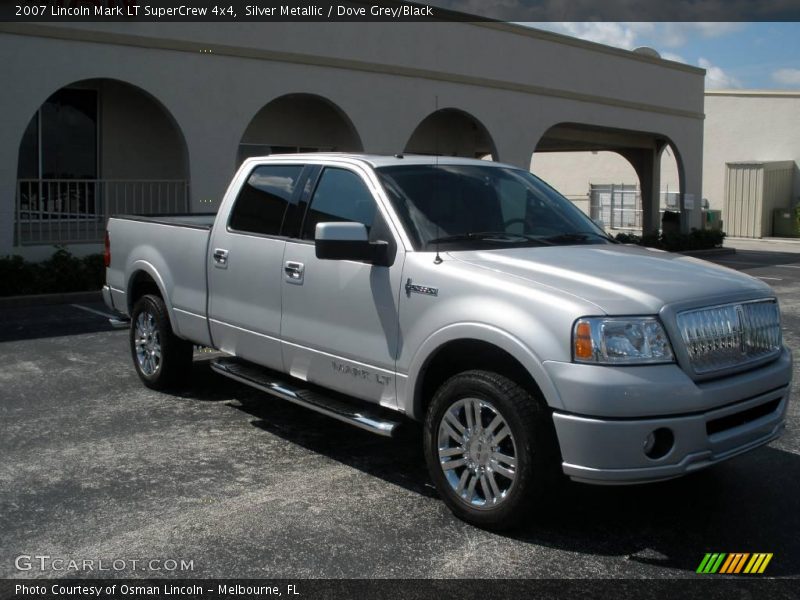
(769, 278)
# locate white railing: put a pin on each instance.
(64, 211)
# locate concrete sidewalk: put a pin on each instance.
(764, 244)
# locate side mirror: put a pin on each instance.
(348, 241)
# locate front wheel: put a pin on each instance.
(161, 358)
(491, 449)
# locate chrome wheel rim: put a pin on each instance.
(147, 343)
(477, 453)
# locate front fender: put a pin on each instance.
(411, 398)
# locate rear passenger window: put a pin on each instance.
(264, 199)
(341, 195)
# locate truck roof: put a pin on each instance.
(380, 160)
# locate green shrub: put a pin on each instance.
(17, 276)
(673, 241)
(60, 273)
(628, 238)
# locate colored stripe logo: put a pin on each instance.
(734, 563)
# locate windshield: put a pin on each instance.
(475, 206)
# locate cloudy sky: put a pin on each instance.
(735, 55)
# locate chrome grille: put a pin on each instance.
(731, 335)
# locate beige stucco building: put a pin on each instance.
(759, 129)
(102, 118)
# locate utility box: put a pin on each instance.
(713, 220)
(786, 222)
(753, 190)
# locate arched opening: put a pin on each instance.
(626, 180)
(452, 132)
(298, 123)
(93, 149)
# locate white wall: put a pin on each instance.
(747, 126)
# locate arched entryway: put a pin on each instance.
(625, 179)
(299, 123)
(96, 148)
(451, 132)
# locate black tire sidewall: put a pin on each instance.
(524, 415)
(175, 352)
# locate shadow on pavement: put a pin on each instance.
(742, 260)
(35, 322)
(748, 504)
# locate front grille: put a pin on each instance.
(731, 335)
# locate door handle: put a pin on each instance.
(294, 272)
(220, 257)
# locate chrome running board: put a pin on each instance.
(119, 322)
(367, 418)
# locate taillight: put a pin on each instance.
(107, 251)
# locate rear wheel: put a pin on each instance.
(490, 448)
(161, 358)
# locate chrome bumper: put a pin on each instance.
(119, 322)
(107, 297)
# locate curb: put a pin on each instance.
(709, 252)
(766, 240)
(50, 299)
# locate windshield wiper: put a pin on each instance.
(578, 236)
(489, 236)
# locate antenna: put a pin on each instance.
(438, 259)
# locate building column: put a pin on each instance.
(8, 193)
(692, 197)
(688, 152)
(211, 153)
(382, 136)
(517, 151)
(647, 164)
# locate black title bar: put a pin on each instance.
(398, 10)
(707, 588)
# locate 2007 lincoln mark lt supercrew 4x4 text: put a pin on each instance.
(468, 295)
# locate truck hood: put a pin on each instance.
(618, 279)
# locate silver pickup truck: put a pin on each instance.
(467, 295)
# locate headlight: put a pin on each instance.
(620, 341)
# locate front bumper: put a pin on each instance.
(610, 449)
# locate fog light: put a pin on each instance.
(658, 443)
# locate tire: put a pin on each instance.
(162, 359)
(501, 472)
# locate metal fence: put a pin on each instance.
(620, 206)
(64, 211)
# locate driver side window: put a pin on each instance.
(341, 195)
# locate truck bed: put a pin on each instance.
(172, 250)
(195, 220)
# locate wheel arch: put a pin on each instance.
(459, 348)
(144, 279)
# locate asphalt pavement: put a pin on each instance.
(97, 467)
